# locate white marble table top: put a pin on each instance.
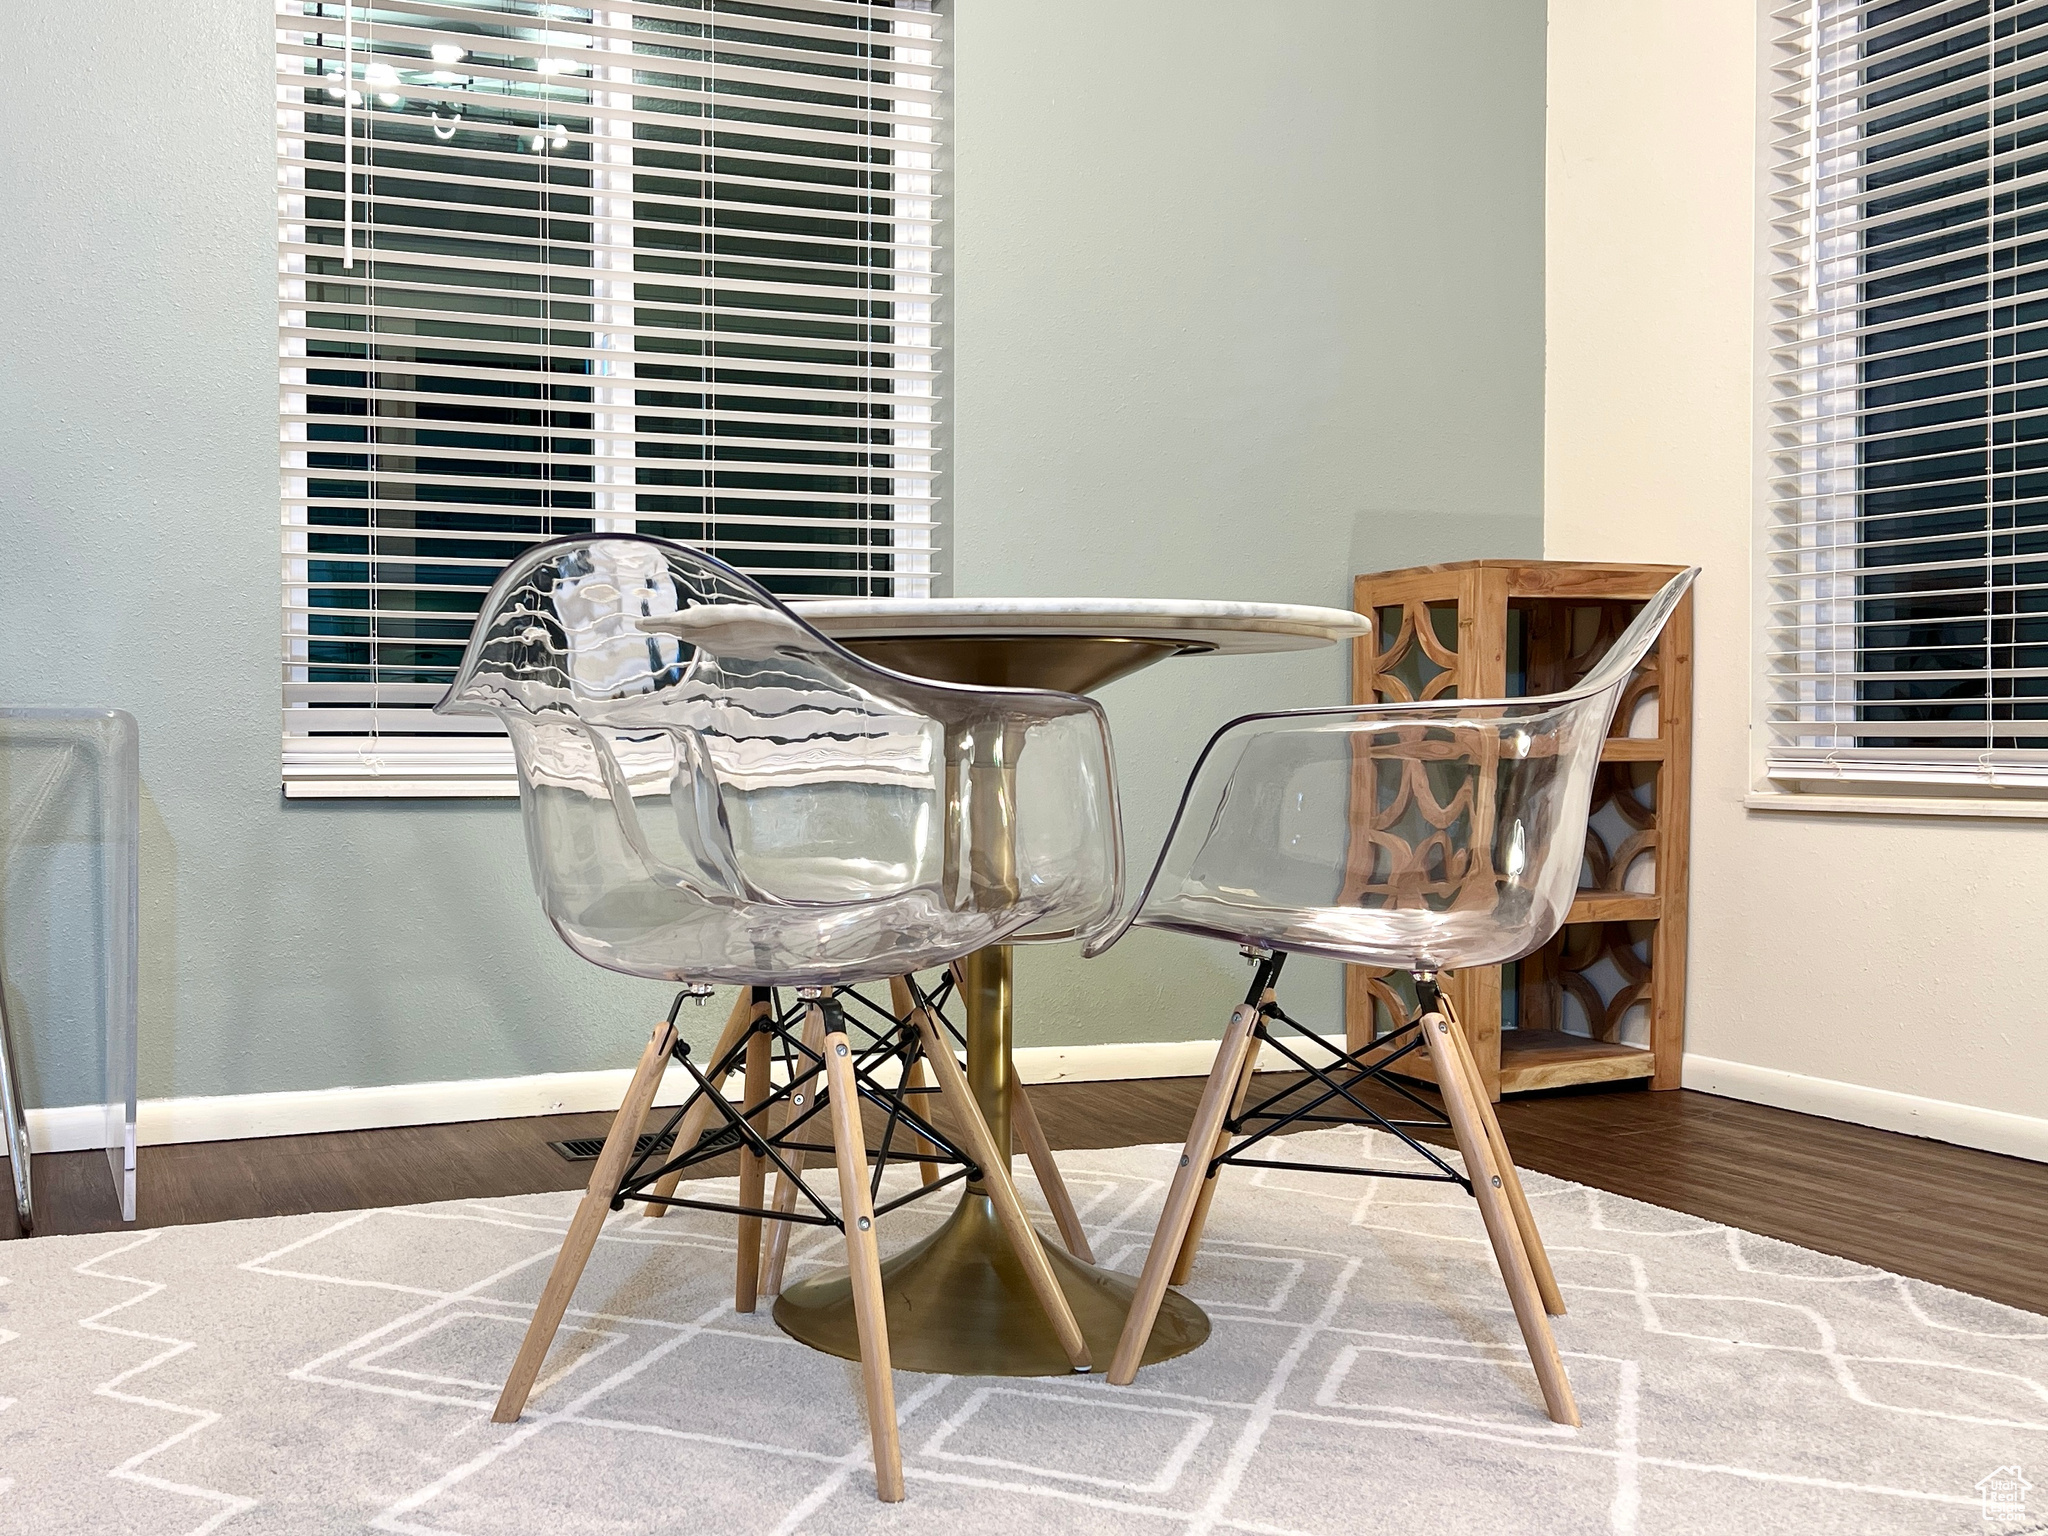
(1231, 629)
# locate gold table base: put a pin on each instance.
(958, 1304)
(957, 1301)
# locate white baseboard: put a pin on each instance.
(1991, 1130)
(233, 1117)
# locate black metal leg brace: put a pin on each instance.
(1339, 1078)
(798, 1101)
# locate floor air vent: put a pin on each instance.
(584, 1149)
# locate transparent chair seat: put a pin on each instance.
(657, 933)
(1417, 836)
(714, 792)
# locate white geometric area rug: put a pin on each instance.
(336, 1373)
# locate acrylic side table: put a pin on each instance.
(70, 805)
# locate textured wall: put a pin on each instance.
(1239, 309)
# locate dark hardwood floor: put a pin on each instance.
(1971, 1220)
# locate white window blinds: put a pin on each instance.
(1905, 555)
(664, 265)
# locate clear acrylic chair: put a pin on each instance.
(1422, 837)
(715, 794)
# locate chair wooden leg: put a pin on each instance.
(583, 1229)
(746, 1281)
(863, 1259)
(753, 1003)
(1192, 1243)
(919, 1076)
(1002, 1194)
(1024, 1122)
(1511, 1185)
(1455, 1076)
(785, 1189)
(1050, 1184)
(900, 1004)
(1181, 1195)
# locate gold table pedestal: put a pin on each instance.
(958, 1304)
(957, 1301)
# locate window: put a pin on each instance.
(663, 265)
(1905, 550)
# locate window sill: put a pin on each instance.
(401, 789)
(2019, 807)
(343, 768)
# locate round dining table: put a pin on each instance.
(958, 1301)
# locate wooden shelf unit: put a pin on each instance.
(1489, 629)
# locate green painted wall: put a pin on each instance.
(1240, 310)
(1235, 312)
